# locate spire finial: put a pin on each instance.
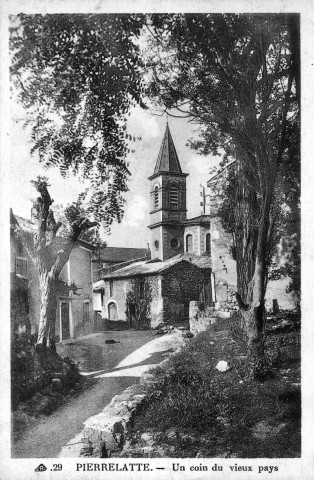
(167, 118)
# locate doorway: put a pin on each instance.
(112, 311)
(132, 315)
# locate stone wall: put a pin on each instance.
(225, 296)
(104, 434)
(180, 285)
(17, 250)
(121, 292)
(200, 317)
(20, 323)
(171, 293)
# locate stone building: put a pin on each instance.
(146, 294)
(159, 290)
(75, 315)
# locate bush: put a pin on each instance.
(32, 372)
(219, 412)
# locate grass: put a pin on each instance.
(194, 410)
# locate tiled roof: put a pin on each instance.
(167, 160)
(203, 262)
(120, 255)
(145, 268)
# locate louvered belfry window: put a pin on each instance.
(174, 198)
(156, 197)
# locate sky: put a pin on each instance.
(132, 231)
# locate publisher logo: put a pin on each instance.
(41, 468)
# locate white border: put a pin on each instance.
(288, 468)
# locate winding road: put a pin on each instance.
(112, 367)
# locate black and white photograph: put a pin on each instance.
(152, 168)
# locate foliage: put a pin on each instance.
(32, 373)
(77, 77)
(68, 214)
(237, 78)
(220, 419)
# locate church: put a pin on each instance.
(147, 293)
(189, 259)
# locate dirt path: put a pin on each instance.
(112, 368)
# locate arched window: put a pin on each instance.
(156, 196)
(189, 243)
(112, 311)
(174, 198)
(208, 246)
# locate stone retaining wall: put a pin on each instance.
(104, 434)
(230, 304)
(200, 317)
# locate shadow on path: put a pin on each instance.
(111, 367)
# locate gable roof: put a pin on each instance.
(145, 268)
(167, 160)
(121, 255)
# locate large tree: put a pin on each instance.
(49, 253)
(77, 76)
(237, 77)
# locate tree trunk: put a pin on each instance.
(246, 240)
(48, 310)
(253, 313)
(251, 243)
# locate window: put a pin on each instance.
(111, 288)
(189, 243)
(208, 249)
(174, 198)
(21, 267)
(156, 196)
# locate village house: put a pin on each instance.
(75, 315)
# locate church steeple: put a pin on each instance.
(168, 201)
(167, 160)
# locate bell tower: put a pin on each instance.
(168, 202)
